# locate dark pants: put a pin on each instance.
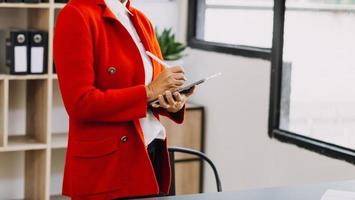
(155, 151)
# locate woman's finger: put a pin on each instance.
(155, 105)
(177, 96)
(179, 83)
(162, 102)
(183, 98)
(170, 98)
(180, 76)
(176, 69)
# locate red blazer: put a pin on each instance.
(101, 78)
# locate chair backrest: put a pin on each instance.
(200, 155)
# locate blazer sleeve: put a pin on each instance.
(74, 60)
(176, 117)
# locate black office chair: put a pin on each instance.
(200, 155)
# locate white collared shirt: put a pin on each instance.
(151, 126)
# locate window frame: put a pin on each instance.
(274, 131)
(240, 50)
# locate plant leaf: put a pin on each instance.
(174, 57)
(170, 48)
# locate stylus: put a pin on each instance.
(157, 59)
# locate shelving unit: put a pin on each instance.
(33, 121)
(26, 106)
(24, 5)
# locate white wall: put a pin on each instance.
(162, 13)
(236, 128)
(237, 115)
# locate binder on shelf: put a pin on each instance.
(32, 1)
(14, 51)
(61, 1)
(14, 1)
(38, 52)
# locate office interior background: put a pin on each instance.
(317, 100)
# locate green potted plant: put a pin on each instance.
(171, 49)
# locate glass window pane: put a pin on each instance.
(318, 93)
(319, 3)
(237, 22)
(240, 2)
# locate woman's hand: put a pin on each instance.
(170, 79)
(174, 101)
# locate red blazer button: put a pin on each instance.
(124, 139)
(112, 70)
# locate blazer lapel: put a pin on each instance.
(139, 26)
(106, 12)
(145, 38)
(143, 35)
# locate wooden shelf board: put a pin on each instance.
(59, 140)
(24, 5)
(26, 77)
(58, 197)
(23, 77)
(22, 143)
(190, 105)
(54, 76)
(59, 5)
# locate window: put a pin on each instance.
(313, 76)
(241, 27)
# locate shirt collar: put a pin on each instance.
(119, 7)
(126, 3)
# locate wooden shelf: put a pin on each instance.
(59, 5)
(22, 143)
(24, 5)
(27, 77)
(54, 76)
(191, 106)
(24, 77)
(58, 197)
(59, 140)
(32, 99)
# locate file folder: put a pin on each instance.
(38, 52)
(14, 1)
(14, 51)
(32, 1)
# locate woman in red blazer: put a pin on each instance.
(102, 80)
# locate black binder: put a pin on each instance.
(32, 1)
(14, 1)
(14, 51)
(38, 52)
